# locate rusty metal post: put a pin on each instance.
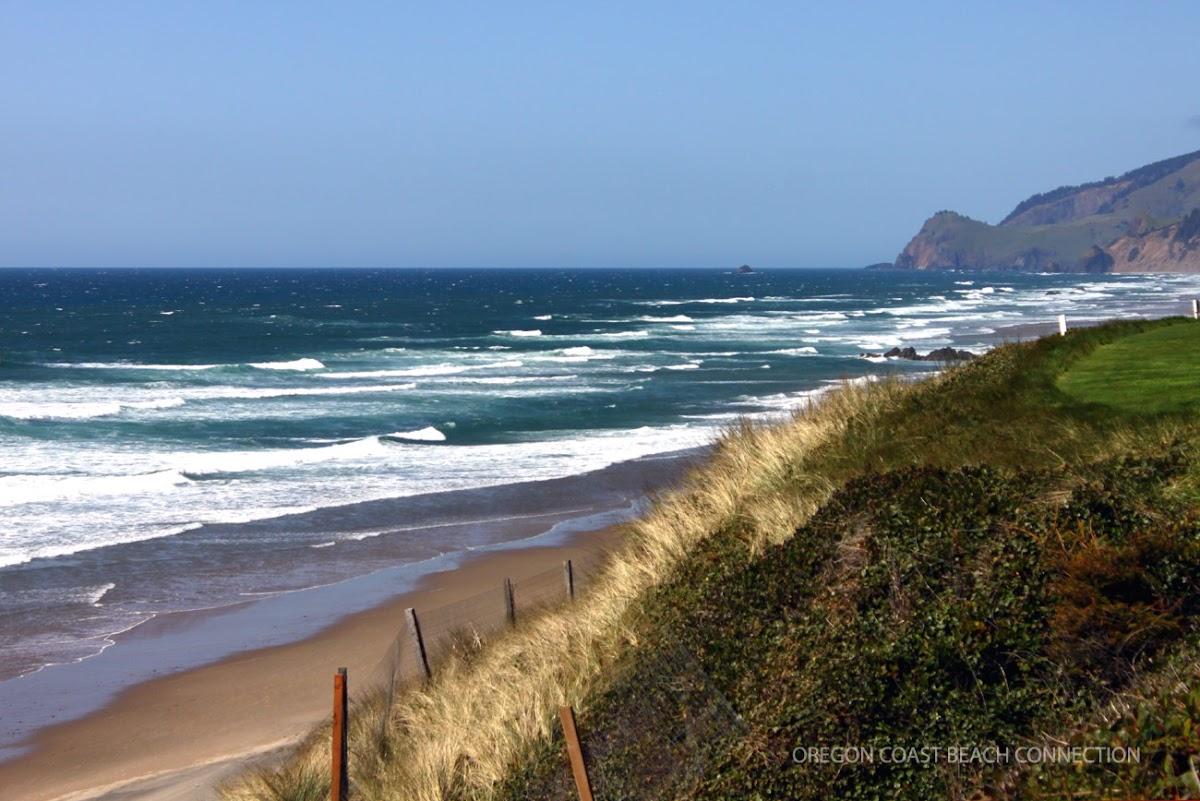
(510, 605)
(575, 753)
(414, 631)
(339, 785)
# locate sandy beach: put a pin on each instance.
(178, 736)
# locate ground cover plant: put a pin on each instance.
(981, 558)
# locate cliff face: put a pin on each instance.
(1124, 224)
(1171, 249)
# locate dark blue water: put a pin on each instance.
(138, 407)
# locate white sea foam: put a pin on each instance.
(202, 464)
(80, 410)
(133, 366)
(426, 434)
(697, 300)
(96, 594)
(820, 317)
(25, 488)
(517, 332)
(678, 318)
(302, 365)
(508, 380)
(581, 353)
(408, 372)
(640, 334)
(807, 350)
(249, 393)
(423, 371)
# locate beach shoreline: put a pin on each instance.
(161, 734)
(179, 735)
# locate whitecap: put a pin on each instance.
(132, 366)
(250, 393)
(426, 434)
(80, 410)
(697, 300)
(294, 364)
(25, 488)
(803, 351)
(96, 594)
(624, 335)
(202, 464)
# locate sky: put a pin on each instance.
(563, 134)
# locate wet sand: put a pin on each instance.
(178, 736)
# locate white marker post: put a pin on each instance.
(1062, 325)
(1195, 309)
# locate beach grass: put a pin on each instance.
(458, 736)
(869, 486)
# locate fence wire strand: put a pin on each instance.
(655, 735)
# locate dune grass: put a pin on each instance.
(484, 728)
(1154, 372)
(459, 736)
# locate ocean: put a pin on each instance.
(191, 439)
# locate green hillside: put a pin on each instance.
(1129, 182)
(1004, 556)
(1069, 229)
(1003, 563)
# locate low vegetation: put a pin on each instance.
(1149, 373)
(1007, 554)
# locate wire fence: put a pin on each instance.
(464, 625)
(653, 735)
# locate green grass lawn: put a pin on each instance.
(1149, 373)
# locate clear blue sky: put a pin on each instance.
(528, 134)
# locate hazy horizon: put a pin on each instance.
(561, 137)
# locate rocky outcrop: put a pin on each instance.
(939, 355)
(1092, 228)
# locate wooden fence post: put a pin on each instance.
(339, 785)
(575, 753)
(510, 605)
(569, 579)
(414, 632)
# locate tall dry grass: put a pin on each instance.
(457, 737)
